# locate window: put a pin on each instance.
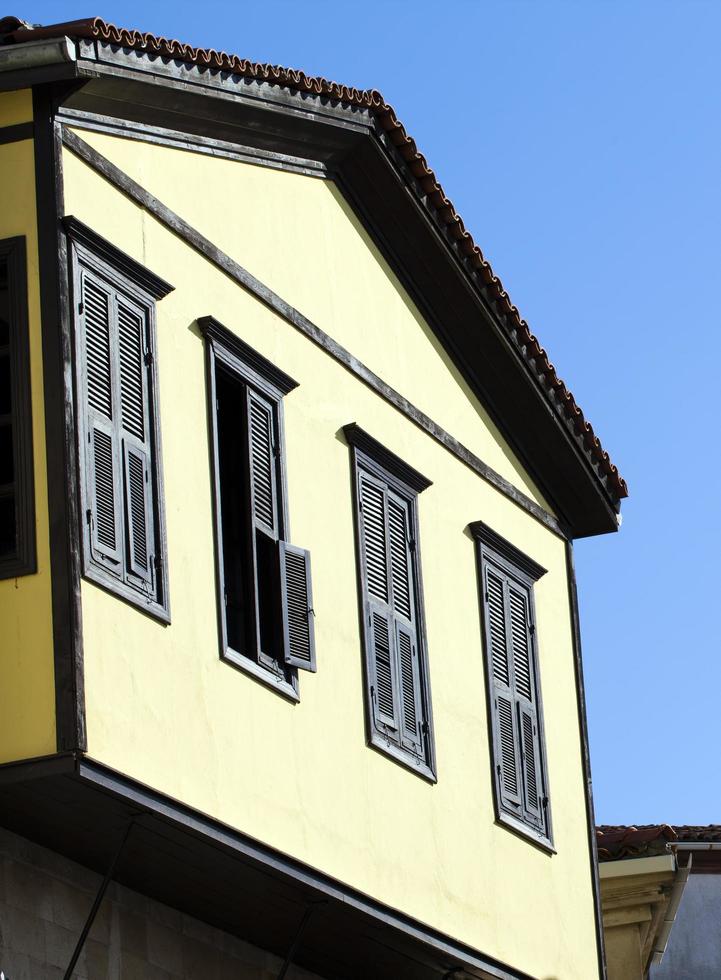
(264, 584)
(17, 504)
(506, 584)
(397, 685)
(119, 453)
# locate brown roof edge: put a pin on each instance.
(373, 101)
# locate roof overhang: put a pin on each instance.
(159, 97)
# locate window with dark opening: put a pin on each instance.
(17, 506)
(266, 614)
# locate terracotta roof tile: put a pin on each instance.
(16, 31)
(646, 840)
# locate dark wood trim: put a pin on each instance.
(487, 553)
(513, 555)
(23, 561)
(410, 477)
(362, 457)
(214, 331)
(64, 518)
(190, 142)
(133, 271)
(38, 768)
(240, 275)
(16, 133)
(585, 758)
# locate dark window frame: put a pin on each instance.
(370, 457)
(87, 250)
(226, 352)
(23, 560)
(498, 553)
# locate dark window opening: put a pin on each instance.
(264, 582)
(17, 506)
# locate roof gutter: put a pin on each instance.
(661, 941)
(37, 54)
(697, 845)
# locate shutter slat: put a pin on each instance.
(297, 607)
(384, 685)
(137, 512)
(400, 559)
(103, 502)
(507, 746)
(132, 367)
(373, 514)
(495, 607)
(410, 685)
(532, 776)
(522, 670)
(262, 475)
(96, 317)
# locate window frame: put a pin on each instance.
(492, 549)
(226, 350)
(370, 456)
(87, 250)
(23, 561)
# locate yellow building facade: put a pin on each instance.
(251, 249)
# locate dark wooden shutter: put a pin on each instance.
(103, 457)
(392, 641)
(133, 363)
(297, 607)
(261, 445)
(505, 725)
(514, 698)
(119, 471)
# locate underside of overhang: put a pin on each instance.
(181, 858)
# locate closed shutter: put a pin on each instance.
(119, 472)
(103, 444)
(135, 417)
(391, 634)
(509, 633)
(297, 607)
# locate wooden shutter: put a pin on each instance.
(391, 633)
(297, 607)
(119, 471)
(509, 634)
(103, 452)
(133, 358)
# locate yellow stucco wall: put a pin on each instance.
(27, 685)
(164, 709)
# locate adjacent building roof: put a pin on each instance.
(14, 31)
(647, 840)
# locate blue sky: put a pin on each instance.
(580, 141)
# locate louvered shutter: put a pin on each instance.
(133, 357)
(297, 607)
(407, 665)
(505, 719)
(261, 449)
(527, 714)
(382, 673)
(103, 449)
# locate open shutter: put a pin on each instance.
(525, 691)
(297, 607)
(505, 719)
(133, 356)
(382, 672)
(103, 467)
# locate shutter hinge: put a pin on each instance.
(424, 727)
(81, 308)
(89, 516)
(148, 357)
(412, 544)
(532, 629)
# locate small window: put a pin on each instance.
(520, 781)
(17, 504)
(398, 707)
(264, 584)
(118, 431)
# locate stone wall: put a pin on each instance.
(44, 903)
